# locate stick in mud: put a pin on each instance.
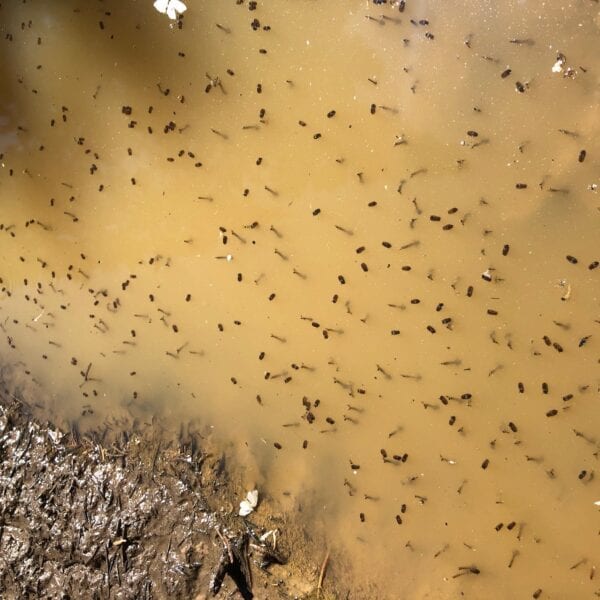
(322, 573)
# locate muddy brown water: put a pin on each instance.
(359, 242)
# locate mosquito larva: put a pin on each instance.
(583, 341)
(578, 564)
(466, 571)
(220, 134)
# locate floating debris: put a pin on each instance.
(172, 8)
(249, 503)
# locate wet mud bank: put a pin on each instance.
(135, 514)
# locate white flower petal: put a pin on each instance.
(558, 66)
(252, 498)
(245, 508)
(161, 5)
(172, 7)
(179, 6)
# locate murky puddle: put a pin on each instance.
(359, 239)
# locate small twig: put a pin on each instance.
(322, 573)
(225, 543)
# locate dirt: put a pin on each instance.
(136, 513)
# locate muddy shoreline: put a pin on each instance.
(139, 513)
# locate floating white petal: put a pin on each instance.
(558, 66)
(171, 7)
(252, 498)
(249, 504)
(245, 509)
(161, 5)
